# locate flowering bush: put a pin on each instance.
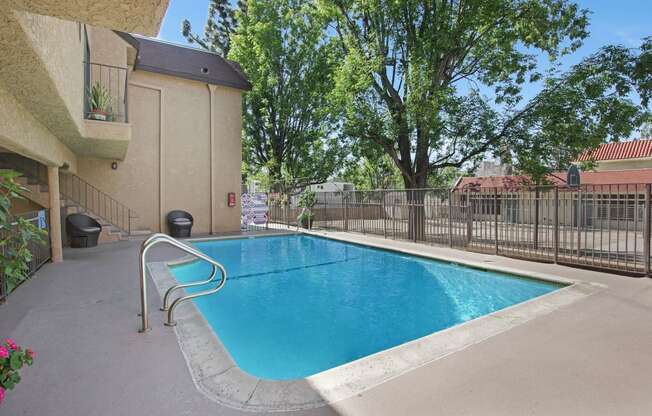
(12, 359)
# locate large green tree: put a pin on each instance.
(220, 24)
(288, 121)
(438, 83)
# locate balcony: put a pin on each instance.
(106, 108)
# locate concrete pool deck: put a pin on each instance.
(589, 357)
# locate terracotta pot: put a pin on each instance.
(96, 114)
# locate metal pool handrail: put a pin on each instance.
(164, 238)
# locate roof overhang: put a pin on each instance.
(181, 61)
(136, 16)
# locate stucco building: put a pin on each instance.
(166, 135)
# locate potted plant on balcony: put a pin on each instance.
(307, 201)
(99, 102)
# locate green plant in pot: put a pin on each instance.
(99, 102)
(307, 201)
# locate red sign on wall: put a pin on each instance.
(231, 199)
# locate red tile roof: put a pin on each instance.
(614, 177)
(621, 150)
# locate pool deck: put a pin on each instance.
(592, 356)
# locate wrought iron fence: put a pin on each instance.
(40, 251)
(604, 227)
(112, 82)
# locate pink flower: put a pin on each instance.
(4, 353)
(31, 354)
(11, 344)
(2, 394)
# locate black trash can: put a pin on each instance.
(82, 230)
(180, 223)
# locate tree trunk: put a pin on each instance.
(415, 198)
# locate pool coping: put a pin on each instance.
(217, 376)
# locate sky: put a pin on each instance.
(612, 21)
(622, 22)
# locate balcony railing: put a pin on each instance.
(105, 93)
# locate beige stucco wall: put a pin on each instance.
(22, 206)
(624, 164)
(22, 133)
(137, 16)
(168, 163)
(58, 44)
(106, 47)
(40, 67)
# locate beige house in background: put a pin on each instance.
(170, 140)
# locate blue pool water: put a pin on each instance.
(297, 305)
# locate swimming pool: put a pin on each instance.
(294, 306)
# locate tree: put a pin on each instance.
(288, 124)
(368, 173)
(220, 24)
(646, 131)
(415, 74)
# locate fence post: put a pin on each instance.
(537, 196)
(384, 215)
(450, 217)
(415, 221)
(496, 219)
(469, 217)
(556, 230)
(287, 208)
(579, 222)
(346, 213)
(646, 231)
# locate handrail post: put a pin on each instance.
(143, 289)
(163, 238)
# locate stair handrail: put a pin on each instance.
(166, 239)
(114, 205)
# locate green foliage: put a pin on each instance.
(220, 24)
(305, 217)
(15, 232)
(443, 178)
(288, 120)
(581, 109)
(412, 74)
(12, 360)
(99, 98)
(308, 199)
(368, 172)
(646, 130)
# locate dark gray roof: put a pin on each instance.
(185, 62)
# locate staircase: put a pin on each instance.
(77, 196)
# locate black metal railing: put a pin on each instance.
(598, 226)
(73, 190)
(40, 250)
(92, 200)
(109, 83)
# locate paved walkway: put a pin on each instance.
(593, 357)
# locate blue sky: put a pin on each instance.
(611, 22)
